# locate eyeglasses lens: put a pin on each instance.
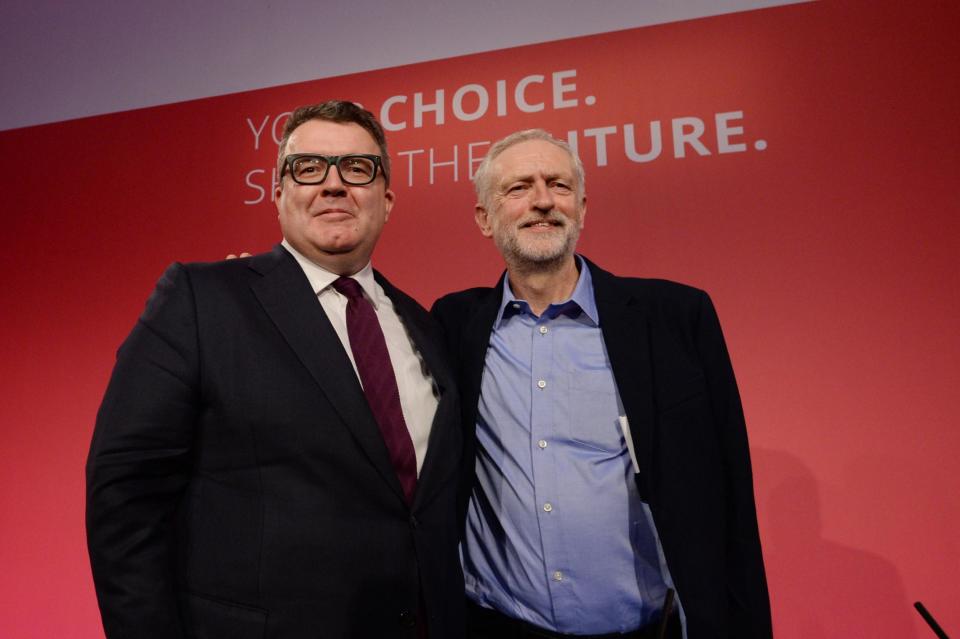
(353, 169)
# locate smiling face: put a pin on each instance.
(534, 212)
(333, 224)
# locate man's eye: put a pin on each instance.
(307, 167)
(358, 166)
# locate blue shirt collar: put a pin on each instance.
(581, 301)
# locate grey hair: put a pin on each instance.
(483, 178)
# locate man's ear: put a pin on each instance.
(482, 218)
(389, 199)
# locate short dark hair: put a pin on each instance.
(340, 111)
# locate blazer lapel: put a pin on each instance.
(415, 320)
(443, 446)
(286, 296)
(626, 333)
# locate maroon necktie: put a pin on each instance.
(379, 383)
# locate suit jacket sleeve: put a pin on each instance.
(450, 320)
(139, 465)
(749, 607)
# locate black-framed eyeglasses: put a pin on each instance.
(309, 168)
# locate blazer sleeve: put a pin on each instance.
(450, 319)
(445, 315)
(749, 605)
(139, 465)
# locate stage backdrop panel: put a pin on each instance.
(800, 163)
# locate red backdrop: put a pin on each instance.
(818, 206)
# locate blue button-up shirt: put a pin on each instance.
(556, 532)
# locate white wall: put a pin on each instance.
(63, 60)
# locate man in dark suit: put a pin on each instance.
(277, 452)
(612, 464)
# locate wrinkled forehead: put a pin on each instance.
(530, 160)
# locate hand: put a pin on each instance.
(233, 256)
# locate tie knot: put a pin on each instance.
(349, 287)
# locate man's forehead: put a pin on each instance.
(324, 136)
(532, 158)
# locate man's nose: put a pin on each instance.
(542, 197)
(333, 185)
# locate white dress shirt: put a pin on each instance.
(418, 391)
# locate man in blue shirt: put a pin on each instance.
(612, 463)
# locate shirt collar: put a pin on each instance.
(320, 278)
(581, 300)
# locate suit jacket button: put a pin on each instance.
(413, 522)
(407, 619)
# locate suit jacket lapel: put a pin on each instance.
(286, 296)
(626, 333)
(443, 447)
(415, 320)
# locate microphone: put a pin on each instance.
(930, 620)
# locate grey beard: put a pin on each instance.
(532, 260)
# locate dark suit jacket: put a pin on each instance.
(238, 485)
(676, 383)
